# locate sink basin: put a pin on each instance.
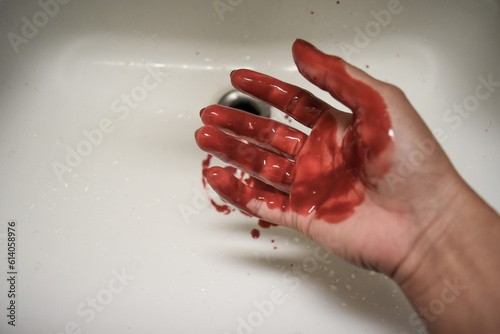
(100, 176)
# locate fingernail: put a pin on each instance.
(304, 43)
(201, 111)
(218, 177)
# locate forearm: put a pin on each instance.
(451, 278)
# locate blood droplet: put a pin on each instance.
(255, 233)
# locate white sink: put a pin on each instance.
(101, 174)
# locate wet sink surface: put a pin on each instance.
(101, 174)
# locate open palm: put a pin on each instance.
(357, 183)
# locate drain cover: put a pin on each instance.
(238, 100)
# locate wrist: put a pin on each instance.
(450, 277)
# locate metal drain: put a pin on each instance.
(238, 100)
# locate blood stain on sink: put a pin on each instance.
(255, 233)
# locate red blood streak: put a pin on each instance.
(255, 233)
(266, 224)
(205, 164)
(223, 208)
(328, 176)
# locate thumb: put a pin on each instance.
(371, 130)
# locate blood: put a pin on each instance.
(328, 176)
(255, 233)
(205, 164)
(265, 224)
(223, 208)
(288, 118)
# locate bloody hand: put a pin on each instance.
(330, 185)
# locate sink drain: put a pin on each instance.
(238, 100)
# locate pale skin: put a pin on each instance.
(425, 229)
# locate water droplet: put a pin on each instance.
(343, 304)
(353, 276)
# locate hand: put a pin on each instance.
(342, 185)
(373, 186)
